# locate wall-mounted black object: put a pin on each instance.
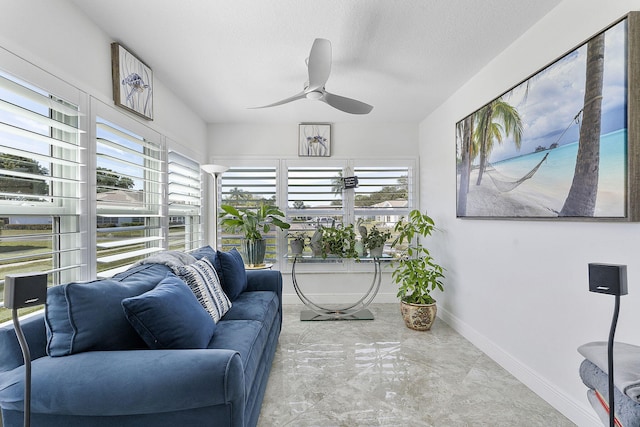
(24, 290)
(610, 279)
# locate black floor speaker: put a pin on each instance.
(608, 279)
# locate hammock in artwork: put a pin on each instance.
(507, 185)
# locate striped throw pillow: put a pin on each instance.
(203, 281)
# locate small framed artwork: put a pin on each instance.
(132, 82)
(314, 140)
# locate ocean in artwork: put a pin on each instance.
(549, 186)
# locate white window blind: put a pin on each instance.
(41, 184)
(129, 197)
(314, 197)
(185, 195)
(316, 194)
(245, 187)
(383, 195)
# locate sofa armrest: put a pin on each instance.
(264, 280)
(130, 382)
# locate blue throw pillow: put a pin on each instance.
(206, 252)
(233, 276)
(88, 316)
(170, 316)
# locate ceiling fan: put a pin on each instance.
(319, 68)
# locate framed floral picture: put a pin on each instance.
(314, 140)
(132, 82)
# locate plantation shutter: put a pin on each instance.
(383, 195)
(41, 181)
(129, 197)
(185, 195)
(314, 196)
(246, 187)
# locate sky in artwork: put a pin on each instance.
(549, 102)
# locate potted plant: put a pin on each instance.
(252, 223)
(416, 272)
(298, 241)
(374, 241)
(337, 240)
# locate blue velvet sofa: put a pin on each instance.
(103, 374)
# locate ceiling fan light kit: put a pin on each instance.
(319, 68)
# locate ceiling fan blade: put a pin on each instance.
(347, 105)
(284, 101)
(319, 64)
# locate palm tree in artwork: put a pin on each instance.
(581, 200)
(493, 121)
(464, 129)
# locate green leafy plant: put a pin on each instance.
(252, 222)
(375, 238)
(416, 271)
(301, 236)
(339, 241)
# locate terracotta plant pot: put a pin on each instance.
(419, 317)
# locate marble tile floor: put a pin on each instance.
(380, 373)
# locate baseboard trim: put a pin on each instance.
(580, 413)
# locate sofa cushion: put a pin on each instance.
(203, 281)
(206, 252)
(170, 316)
(258, 305)
(88, 316)
(233, 276)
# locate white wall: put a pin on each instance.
(55, 36)
(349, 140)
(518, 289)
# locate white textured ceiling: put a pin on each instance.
(404, 57)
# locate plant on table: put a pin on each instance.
(252, 223)
(298, 240)
(375, 238)
(339, 240)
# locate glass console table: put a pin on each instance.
(351, 311)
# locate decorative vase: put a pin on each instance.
(419, 317)
(253, 251)
(377, 252)
(297, 246)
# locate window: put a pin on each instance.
(129, 197)
(383, 194)
(185, 194)
(41, 170)
(245, 187)
(314, 197)
(316, 194)
(311, 193)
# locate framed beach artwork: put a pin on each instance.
(132, 82)
(314, 140)
(563, 144)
